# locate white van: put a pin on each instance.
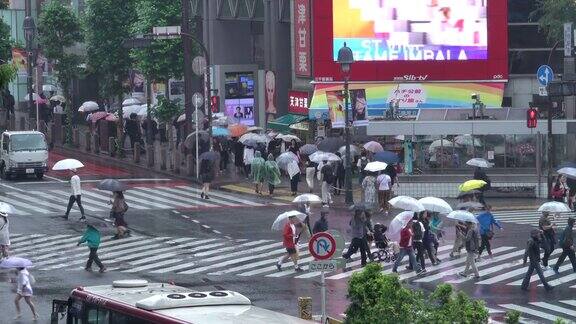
(23, 153)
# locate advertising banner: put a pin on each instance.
(298, 102)
(20, 59)
(359, 107)
(302, 38)
(335, 101)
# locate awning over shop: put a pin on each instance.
(431, 95)
(283, 123)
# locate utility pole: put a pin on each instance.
(188, 73)
(29, 36)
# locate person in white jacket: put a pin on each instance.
(24, 290)
(248, 156)
(4, 235)
(76, 195)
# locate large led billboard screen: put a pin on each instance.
(412, 40)
(414, 30)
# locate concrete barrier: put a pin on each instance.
(150, 153)
(136, 153)
(22, 124)
(163, 156)
(111, 147)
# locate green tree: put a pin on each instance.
(6, 42)
(4, 4)
(107, 23)
(164, 59)
(379, 298)
(552, 14)
(58, 31)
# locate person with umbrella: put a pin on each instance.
(4, 235)
(361, 165)
(310, 174)
(487, 222)
(257, 169)
(24, 290)
(406, 248)
(91, 237)
(289, 241)
(206, 176)
(471, 243)
(559, 189)
(548, 240)
(271, 173)
(359, 231)
(119, 208)
(327, 178)
(248, 154)
(479, 174)
(567, 244)
(339, 175)
(321, 225)
(369, 191)
(459, 241)
(384, 182)
(76, 195)
(294, 174)
(533, 253)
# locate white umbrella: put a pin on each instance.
(289, 138)
(320, 156)
(143, 111)
(88, 106)
(281, 220)
(463, 216)
(400, 137)
(375, 166)
(127, 111)
(373, 147)
(131, 102)
(437, 205)
(67, 164)
(568, 171)
(398, 223)
(554, 207)
(285, 158)
(58, 98)
(479, 162)
(259, 138)
(354, 150)
(48, 88)
(467, 140)
(7, 208)
(441, 143)
(407, 203)
(255, 129)
(307, 198)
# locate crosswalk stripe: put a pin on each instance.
(232, 260)
(22, 205)
(195, 195)
(155, 265)
(554, 308)
(33, 242)
(453, 271)
(189, 264)
(217, 194)
(86, 203)
(99, 195)
(46, 246)
(32, 200)
(493, 269)
(255, 265)
(230, 248)
(563, 279)
(196, 201)
(155, 198)
(547, 274)
(17, 239)
(266, 255)
(531, 311)
(570, 302)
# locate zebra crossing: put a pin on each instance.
(529, 217)
(540, 311)
(138, 198)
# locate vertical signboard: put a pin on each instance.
(302, 38)
(298, 102)
(567, 39)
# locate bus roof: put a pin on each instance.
(178, 304)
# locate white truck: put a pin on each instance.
(23, 153)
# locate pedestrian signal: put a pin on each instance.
(532, 118)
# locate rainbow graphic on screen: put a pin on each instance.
(411, 30)
(439, 95)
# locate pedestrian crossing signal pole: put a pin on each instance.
(346, 58)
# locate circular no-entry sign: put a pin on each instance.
(322, 246)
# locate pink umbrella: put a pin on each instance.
(373, 147)
(98, 115)
(111, 117)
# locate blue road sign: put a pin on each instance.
(544, 75)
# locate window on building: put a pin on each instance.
(527, 36)
(520, 10)
(527, 62)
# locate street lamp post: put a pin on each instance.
(345, 59)
(29, 34)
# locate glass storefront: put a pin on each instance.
(437, 153)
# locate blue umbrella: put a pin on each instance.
(387, 157)
(220, 132)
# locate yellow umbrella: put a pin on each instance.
(471, 185)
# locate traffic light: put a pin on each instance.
(532, 118)
(215, 103)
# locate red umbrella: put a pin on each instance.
(98, 115)
(111, 117)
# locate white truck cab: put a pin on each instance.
(23, 153)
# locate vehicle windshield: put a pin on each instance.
(27, 142)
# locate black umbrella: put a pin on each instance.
(331, 144)
(111, 185)
(210, 156)
(190, 140)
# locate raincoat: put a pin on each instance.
(258, 168)
(272, 171)
(4, 231)
(369, 188)
(91, 237)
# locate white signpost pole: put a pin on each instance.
(323, 295)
